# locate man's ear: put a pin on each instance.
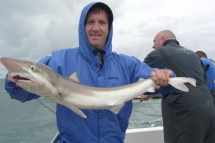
(163, 38)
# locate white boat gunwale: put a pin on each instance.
(137, 135)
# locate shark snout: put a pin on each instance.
(11, 64)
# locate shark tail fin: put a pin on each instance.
(178, 82)
(116, 108)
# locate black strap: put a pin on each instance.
(171, 64)
(101, 54)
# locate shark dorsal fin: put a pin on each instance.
(74, 77)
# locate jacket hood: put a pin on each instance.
(84, 46)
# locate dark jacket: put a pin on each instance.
(185, 60)
(185, 112)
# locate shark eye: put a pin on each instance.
(32, 68)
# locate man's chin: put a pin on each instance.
(96, 46)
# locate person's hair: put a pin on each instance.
(97, 8)
(201, 54)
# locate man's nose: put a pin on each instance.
(96, 26)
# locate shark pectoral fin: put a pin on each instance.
(116, 108)
(73, 108)
(77, 111)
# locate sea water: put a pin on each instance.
(31, 122)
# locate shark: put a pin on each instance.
(41, 80)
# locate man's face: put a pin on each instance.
(158, 41)
(97, 29)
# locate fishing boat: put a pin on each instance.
(139, 135)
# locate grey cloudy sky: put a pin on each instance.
(31, 29)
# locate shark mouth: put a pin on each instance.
(18, 78)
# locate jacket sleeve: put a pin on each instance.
(143, 70)
(19, 93)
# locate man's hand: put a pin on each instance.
(10, 78)
(144, 97)
(161, 77)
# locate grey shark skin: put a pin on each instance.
(39, 79)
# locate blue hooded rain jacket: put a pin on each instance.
(100, 126)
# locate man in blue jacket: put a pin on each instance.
(97, 66)
(209, 69)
